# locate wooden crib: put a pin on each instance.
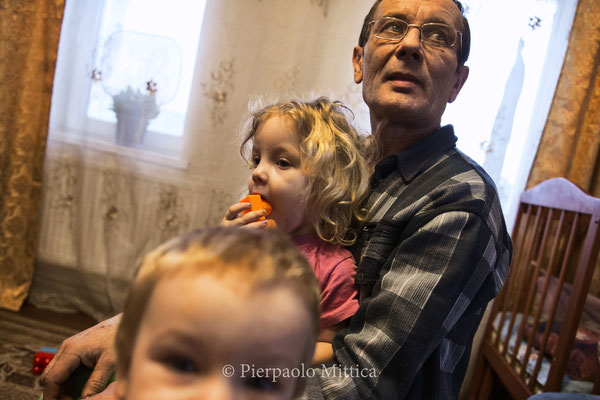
(530, 341)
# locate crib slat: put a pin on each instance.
(581, 285)
(522, 277)
(544, 292)
(502, 302)
(596, 389)
(554, 306)
(531, 293)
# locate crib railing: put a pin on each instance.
(535, 317)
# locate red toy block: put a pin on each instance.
(40, 361)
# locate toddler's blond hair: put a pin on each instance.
(248, 260)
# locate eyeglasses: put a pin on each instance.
(394, 30)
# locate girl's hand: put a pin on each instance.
(248, 220)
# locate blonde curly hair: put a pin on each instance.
(335, 160)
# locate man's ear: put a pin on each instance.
(357, 64)
(462, 73)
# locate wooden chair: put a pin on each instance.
(555, 240)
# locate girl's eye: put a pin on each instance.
(181, 364)
(282, 162)
(254, 161)
(263, 384)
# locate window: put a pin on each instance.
(517, 51)
(110, 46)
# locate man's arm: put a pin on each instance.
(424, 289)
(93, 348)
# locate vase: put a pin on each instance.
(131, 128)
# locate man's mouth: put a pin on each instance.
(403, 78)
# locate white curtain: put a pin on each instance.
(105, 206)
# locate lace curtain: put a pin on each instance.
(27, 63)
(104, 208)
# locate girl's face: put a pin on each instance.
(277, 174)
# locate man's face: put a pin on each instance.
(409, 82)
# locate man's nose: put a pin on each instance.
(410, 45)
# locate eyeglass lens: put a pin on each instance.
(432, 33)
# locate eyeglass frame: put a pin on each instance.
(419, 27)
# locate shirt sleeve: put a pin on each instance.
(423, 291)
(338, 297)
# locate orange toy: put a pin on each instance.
(258, 204)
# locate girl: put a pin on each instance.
(307, 162)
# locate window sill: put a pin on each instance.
(103, 145)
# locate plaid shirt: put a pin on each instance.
(435, 253)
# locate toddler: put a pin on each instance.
(308, 162)
(218, 312)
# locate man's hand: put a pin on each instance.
(93, 348)
(110, 393)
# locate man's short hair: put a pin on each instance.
(465, 44)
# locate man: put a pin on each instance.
(436, 250)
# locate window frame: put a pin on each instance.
(69, 119)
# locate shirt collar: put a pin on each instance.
(419, 156)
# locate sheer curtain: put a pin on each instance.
(517, 50)
(105, 205)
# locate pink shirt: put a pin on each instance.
(335, 269)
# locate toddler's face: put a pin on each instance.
(277, 174)
(200, 339)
